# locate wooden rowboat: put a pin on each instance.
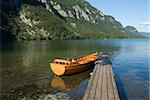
(67, 67)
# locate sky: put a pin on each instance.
(129, 12)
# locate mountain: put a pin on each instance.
(131, 29)
(145, 34)
(58, 19)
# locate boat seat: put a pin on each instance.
(73, 60)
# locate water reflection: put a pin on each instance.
(69, 82)
(27, 63)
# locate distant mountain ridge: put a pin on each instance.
(61, 19)
(131, 29)
(145, 34)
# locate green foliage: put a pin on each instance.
(53, 26)
(40, 24)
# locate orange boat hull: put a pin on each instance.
(79, 65)
(79, 68)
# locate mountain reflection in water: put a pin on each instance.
(25, 67)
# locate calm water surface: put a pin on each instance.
(25, 71)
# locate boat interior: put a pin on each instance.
(81, 60)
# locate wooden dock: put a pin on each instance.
(102, 85)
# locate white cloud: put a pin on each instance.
(145, 23)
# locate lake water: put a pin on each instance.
(25, 71)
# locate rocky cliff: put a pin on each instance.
(59, 19)
(131, 29)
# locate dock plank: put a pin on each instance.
(116, 95)
(110, 84)
(94, 85)
(102, 85)
(90, 84)
(99, 84)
